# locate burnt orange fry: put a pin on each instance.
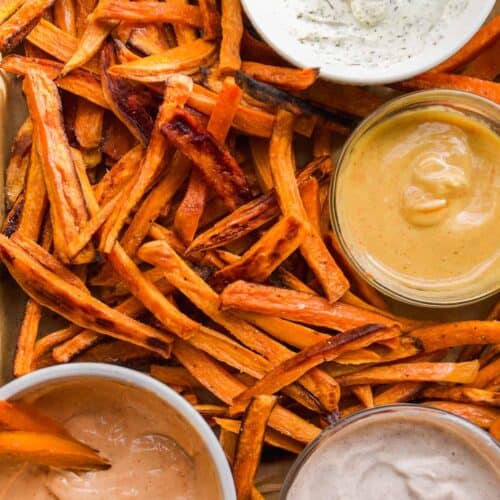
(250, 443)
(65, 15)
(463, 395)
(40, 448)
(158, 67)
(149, 12)
(484, 38)
(232, 31)
(483, 88)
(457, 334)
(22, 21)
(293, 368)
(486, 65)
(296, 306)
(461, 373)
(287, 78)
(480, 415)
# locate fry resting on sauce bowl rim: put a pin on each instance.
(168, 204)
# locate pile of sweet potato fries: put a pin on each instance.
(158, 204)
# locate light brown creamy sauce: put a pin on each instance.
(420, 199)
(154, 453)
(397, 458)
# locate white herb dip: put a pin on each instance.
(375, 33)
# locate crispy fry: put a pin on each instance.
(65, 15)
(326, 350)
(250, 443)
(480, 415)
(175, 375)
(88, 124)
(220, 170)
(225, 386)
(462, 373)
(483, 39)
(459, 333)
(232, 31)
(260, 260)
(176, 92)
(185, 34)
(287, 78)
(487, 374)
(8, 8)
(148, 39)
(158, 67)
(48, 449)
(260, 155)
(309, 192)
(490, 90)
(463, 395)
(211, 21)
(18, 163)
(72, 303)
(45, 344)
(28, 333)
(296, 306)
(313, 248)
(117, 351)
(22, 21)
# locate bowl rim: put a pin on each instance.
(404, 294)
(138, 380)
(343, 75)
(435, 414)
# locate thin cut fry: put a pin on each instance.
(313, 248)
(460, 333)
(296, 306)
(483, 39)
(287, 78)
(250, 443)
(158, 67)
(232, 31)
(463, 395)
(49, 449)
(461, 373)
(28, 333)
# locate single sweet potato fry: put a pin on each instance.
(250, 443)
(480, 415)
(48, 449)
(210, 19)
(487, 374)
(25, 348)
(297, 306)
(8, 8)
(89, 124)
(232, 31)
(158, 67)
(486, 65)
(287, 78)
(64, 12)
(463, 395)
(365, 394)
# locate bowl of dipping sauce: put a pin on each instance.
(367, 42)
(397, 452)
(158, 445)
(415, 199)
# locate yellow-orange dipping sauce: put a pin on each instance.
(418, 202)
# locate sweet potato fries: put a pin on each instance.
(160, 208)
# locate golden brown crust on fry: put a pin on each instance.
(286, 78)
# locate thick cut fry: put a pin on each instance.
(28, 333)
(8, 8)
(210, 19)
(291, 369)
(17, 168)
(232, 31)
(484, 38)
(365, 394)
(457, 334)
(461, 373)
(250, 443)
(193, 286)
(149, 12)
(313, 248)
(158, 67)
(88, 124)
(260, 260)
(75, 305)
(49, 449)
(296, 306)
(68, 208)
(253, 214)
(487, 374)
(80, 82)
(219, 168)
(65, 15)
(480, 415)
(271, 437)
(463, 395)
(176, 93)
(225, 386)
(286, 78)
(490, 90)
(17, 26)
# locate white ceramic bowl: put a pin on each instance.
(74, 371)
(272, 29)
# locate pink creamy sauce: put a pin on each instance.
(155, 454)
